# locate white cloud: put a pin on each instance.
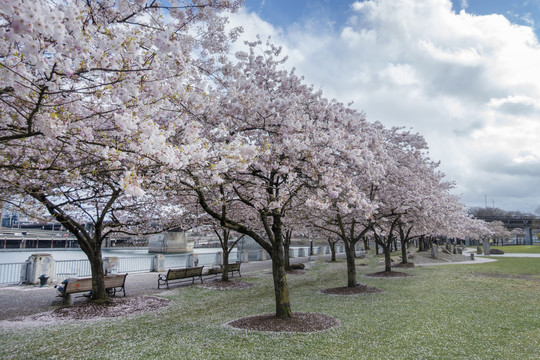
(468, 83)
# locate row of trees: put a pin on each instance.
(133, 117)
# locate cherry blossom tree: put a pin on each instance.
(411, 186)
(85, 95)
(344, 201)
(269, 136)
(224, 236)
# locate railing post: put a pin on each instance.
(291, 253)
(158, 263)
(245, 255)
(219, 258)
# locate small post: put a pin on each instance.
(158, 263)
(486, 247)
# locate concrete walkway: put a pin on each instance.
(513, 255)
(466, 252)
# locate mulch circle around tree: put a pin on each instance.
(295, 272)
(299, 323)
(358, 289)
(227, 285)
(291, 272)
(406, 266)
(90, 310)
(389, 274)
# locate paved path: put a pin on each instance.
(513, 255)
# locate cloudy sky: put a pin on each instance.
(465, 74)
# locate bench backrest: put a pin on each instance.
(115, 280)
(194, 271)
(234, 266)
(78, 285)
(184, 272)
(85, 284)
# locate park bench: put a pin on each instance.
(113, 284)
(234, 267)
(179, 275)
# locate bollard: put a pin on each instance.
(43, 280)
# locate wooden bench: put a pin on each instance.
(113, 284)
(179, 275)
(234, 267)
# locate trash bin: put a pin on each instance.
(43, 280)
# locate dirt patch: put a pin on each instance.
(358, 289)
(227, 285)
(295, 272)
(299, 323)
(89, 310)
(508, 276)
(291, 272)
(389, 274)
(405, 266)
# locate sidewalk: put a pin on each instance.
(466, 252)
(514, 255)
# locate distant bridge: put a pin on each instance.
(529, 224)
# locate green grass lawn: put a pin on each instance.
(519, 249)
(484, 311)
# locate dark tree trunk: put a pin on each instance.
(366, 244)
(286, 249)
(281, 289)
(225, 273)
(224, 241)
(404, 251)
(421, 244)
(333, 251)
(376, 249)
(98, 275)
(387, 260)
(351, 266)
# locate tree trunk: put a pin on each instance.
(281, 289)
(286, 257)
(333, 251)
(421, 244)
(403, 252)
(366, 244)
(98, 276)
(225, 273)
(351, 266)
(387, 260)
(376, 249)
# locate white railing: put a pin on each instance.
(63, 269)
(12, 273)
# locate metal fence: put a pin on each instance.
(134, 264)
(12, 273)
(64, 269)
